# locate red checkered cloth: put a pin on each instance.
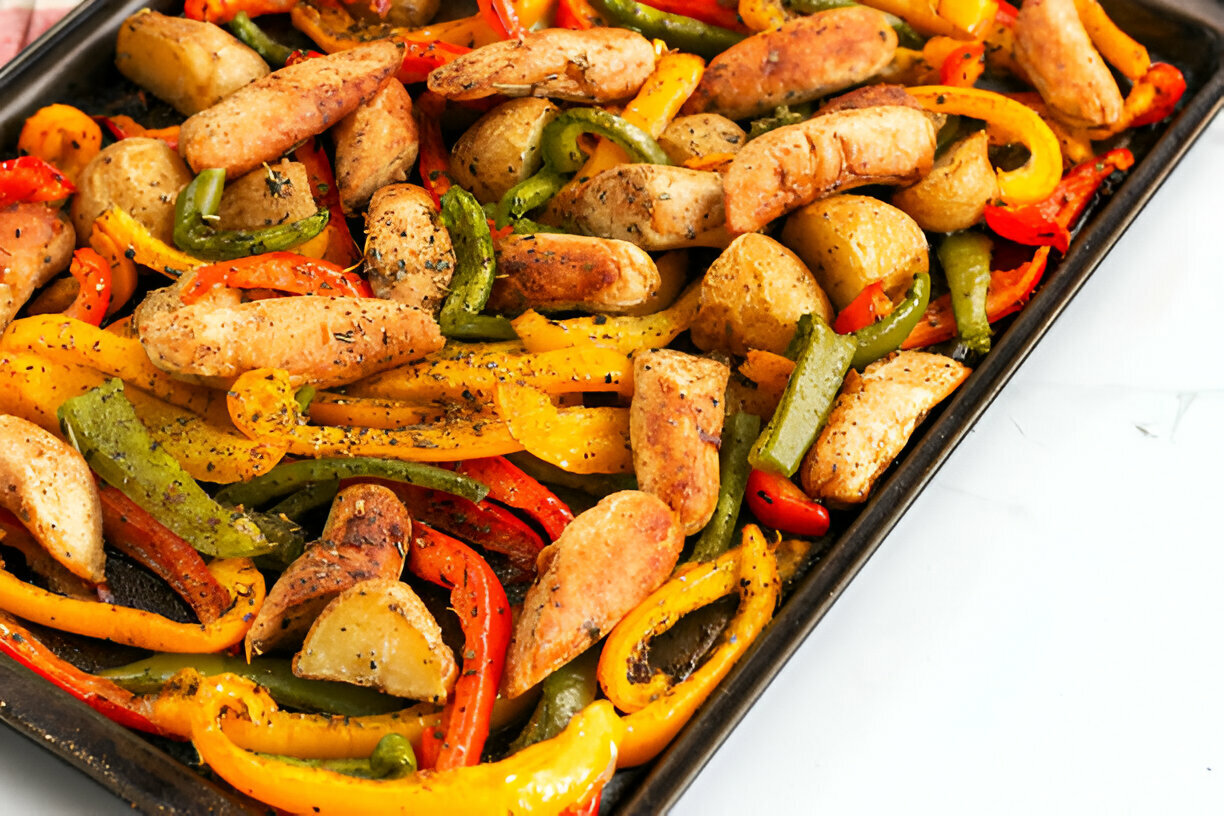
(22, 21)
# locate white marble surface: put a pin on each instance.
(1041, 633)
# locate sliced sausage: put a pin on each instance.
(409, 256)
(376, 145)
(36, 244)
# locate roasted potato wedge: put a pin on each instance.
(37, 246)
(699, 135)
(954, 195)
(140, 176)
(502, 148)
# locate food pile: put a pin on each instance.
(453, 376)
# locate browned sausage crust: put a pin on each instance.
(605, 563)
(675, 426)
(596, 65)
(805, 59)
(261, 121)
(37, 246)
(792, 166)
(409, 256)
(376, 145)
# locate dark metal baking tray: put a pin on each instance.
(72, 61)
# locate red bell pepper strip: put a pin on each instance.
(963, 67)
(502, 18)
(868, 306)
(29, 179)
(301, 55)
(1006, 14)
(421, 58)
(125, 127)
(576, 15)
(222, 11)
(514, 488)
(778, 502)
(588, 808)
(341, 248)
(434, 161)
(282, 271)
(93, 273)
(136, 533)
(100, 694)
(484, 613)
(710, 12)
(1009, 290)
(1049, 222)
(1166, 85)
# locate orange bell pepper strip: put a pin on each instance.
(502, 18)
(222, 11)
(421, 58)
(62, 136)
(280, 271)
(122, 270)
(136, 627)
(964, 66)
(1118, 49)
(659, 708)
(135, 240)
(580, 440)
(576, 15)
(433, 159)
(1009, 290)
(341, 248)
(93, 274)
(762, 15)
(327, 408)
(125, 127)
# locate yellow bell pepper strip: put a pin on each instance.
(136, 627)
(262, 407)
(658, 709)
(969, 17)
(123, 270)
(333, 29)
(371, 412)
(762, 15)
(1118, 49)
(580, 440)
(1009, 120)
(135, 240)
(62, 136)
(93, 276)
(546, 778)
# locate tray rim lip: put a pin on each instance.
(672, 773)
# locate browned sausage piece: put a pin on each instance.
(607, 561)
(376, 145)
(596, 65)
(366, 537)
(409, 256)
(36, 244)
(675, 426)
(805, 59)
(1054, 49)
(261, 121)
(792, 166)
(555, 272)
(873, 418)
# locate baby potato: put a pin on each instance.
(753, 296)
(954, 195)
(852, 241)
(188, 63)
(502, 148)
(700, 135)
(266, 196)
(142, 177)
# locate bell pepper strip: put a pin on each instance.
(103, 425)
(868, 306)
(660, 707)
(580, 440)
(62, 136)
(1006, 14)
(821, 365)
(103, 696)
(254, 37)
(484, 613)
(780, 504)
(125, 127)
(287, 478)
(564, 694)
(969, 16)
(1049, 222)
(341, 248)
(739, 434)
(139, 245)
(762, 15)
(312, 497)
(577, 15)
(136, 627)
(421, 58)
(275, 675)
(1151, 99)
(93, 297)
(679, 32)
(262, 407)
(281, 271)
(964, 66)
(200, 200)
(1118, 49)
(710, 12)
(392, 758)
(433, 158)
(770, 374)
(592, 484)
(502, 18)
(782, 116)
(222, 11)
(29, 179)
(56, 576)
(965, 258)
(624, 333)
(132, 531)
(1009, 290)
(886, 336)
(474, 270)
(1011, 121)
(123, 275)
(509, 485)
(371, 412)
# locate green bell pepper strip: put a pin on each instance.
(393, 758)
(965, 257)
(740, 433)
(285, 479)
(563, 694)
(198, 203)
(824, 358)
(275, 674)
(907, 37)
(285, 533)
(529, 194)
(311, 497)
(475, 266)
(679, 32)
(886, 336)
(103, 426)
(781, 117)
(251, 35)
(596, 485)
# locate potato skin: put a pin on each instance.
(699, 135)
(266, 196)
(602, 565)
(807, 58)
(555, 272)
(262, 121)
(501, 148)
(655, 206)
(851, 241)
(752, 297)
(675, 425)
(188, 63)
(954, 195)
(409, 256)
(141, 176)
(376, 145)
